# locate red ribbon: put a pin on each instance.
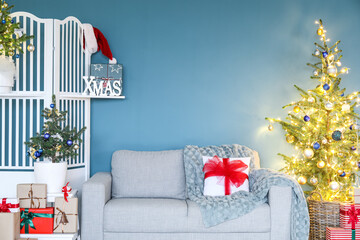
(4, 207)
(66, 191)
(353, 215)
(230, 171)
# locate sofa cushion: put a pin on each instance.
(148, 174)
(172, 215)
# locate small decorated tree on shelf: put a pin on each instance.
(322, 126)
(55, 142)
(11, 36)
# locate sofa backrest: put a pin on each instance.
(148, 174)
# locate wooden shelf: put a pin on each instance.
(58, 236)
(81, 96)
(22, 94)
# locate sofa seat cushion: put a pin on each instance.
(148, 174)
(173, 215)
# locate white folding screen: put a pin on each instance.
(56, 66)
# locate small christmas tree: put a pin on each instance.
(322, 127)
(11, 36)
(55, 142)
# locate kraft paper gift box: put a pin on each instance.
(107, 75)
(356, 195)
(349, 215)
(66, 215)
(9, 205)
(32, 195)
(9, 226)
(37, 220)
(342, 234)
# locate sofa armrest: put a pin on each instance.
(280, 212)
(95, 193)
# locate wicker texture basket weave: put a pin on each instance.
(322, 214)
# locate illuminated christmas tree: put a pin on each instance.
(322, 127)
(11, 36)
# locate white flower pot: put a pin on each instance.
(52, 174)
(7, 74)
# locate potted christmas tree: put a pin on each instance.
(55, 144)
(11, 38)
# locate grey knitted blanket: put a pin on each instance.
(216, 210)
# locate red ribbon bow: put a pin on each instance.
(66, 191)
(230, 171)
(4, 207)
(353, 215)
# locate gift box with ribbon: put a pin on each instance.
(32, 195)
(66, 215)
(333, 233)
(349, 216)
(9, 205)
(36, 220)
(9, 225)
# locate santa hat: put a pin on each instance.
(94, 41)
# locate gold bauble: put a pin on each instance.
(5, 5)
(335, 186)
(313, 181)
(340, 171)
(320, 31)
(311, 99)
(308, 153)
(76, 147)
(290, 138)
(270, 127)
(296, 109)
(302, 180)
(320, 164)
(332, 70)
(11, 53)
(31, 48)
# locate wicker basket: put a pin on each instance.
(322, 214)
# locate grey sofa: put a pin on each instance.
(144, 198)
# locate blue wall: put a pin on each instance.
(205, 71)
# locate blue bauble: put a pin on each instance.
(28, 153)
(326, 87)
(12, 21)
(351, 127)
(37, 154)
(46, 136)
(353, 148)
(3, 21)
(358, 164)
(52, 105)
(316, 145)
(325, 54)
(17, 55)
(343, 174)
(69, 142)
(342, 95)
(306, 118)
(336, 135)
(40, 151)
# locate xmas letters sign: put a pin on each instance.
(105, 80)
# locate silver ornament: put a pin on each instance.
(317, 52)
(308, 153)
(335, 186)
(329, 106)
(332, 70)
(311, 99)
(316, 73)
(313, 181)
(345, 108)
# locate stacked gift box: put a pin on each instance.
(349, 221)
(29, 214)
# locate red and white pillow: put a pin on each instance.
(224, 176)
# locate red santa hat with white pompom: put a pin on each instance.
(94, 41)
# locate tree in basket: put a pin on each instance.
(322, 127)
(57, 143)
(11, 39)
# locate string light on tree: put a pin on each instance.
(327, 133)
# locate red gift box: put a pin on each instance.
(341, 234)
(36, 220)
(349, 216)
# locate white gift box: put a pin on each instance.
(356, 195)
(215, 185)
(9, 205)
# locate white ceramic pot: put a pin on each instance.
(7, 74)
(52, 174)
